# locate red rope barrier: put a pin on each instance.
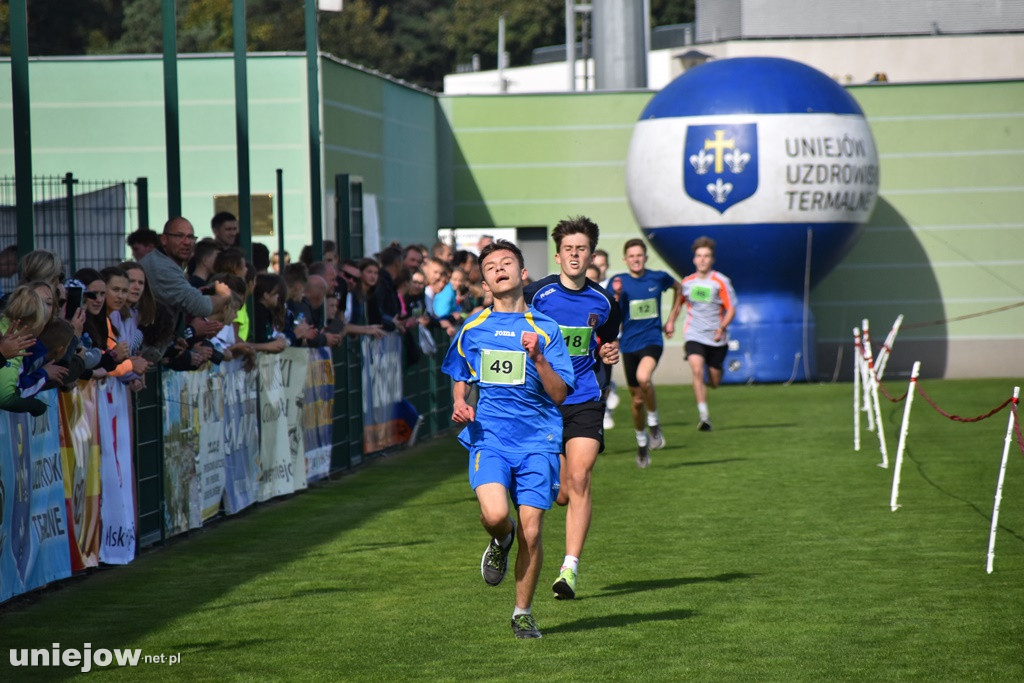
(957, 418)
(890, 396)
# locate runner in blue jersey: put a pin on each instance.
(518, 359)
(589, 320)
(639, 295)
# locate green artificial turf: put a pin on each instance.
(764, 550)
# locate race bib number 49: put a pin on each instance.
(577, 339)
(643, 309)
(503, 367)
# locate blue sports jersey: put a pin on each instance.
(514, 413)
(640, 303)
(583, 316)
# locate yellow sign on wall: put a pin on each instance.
(262, 210)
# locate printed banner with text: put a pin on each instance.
(33, 527)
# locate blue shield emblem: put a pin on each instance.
(720, 164)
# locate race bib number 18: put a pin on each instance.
(643, 309)
(577, 339)
(503, 367)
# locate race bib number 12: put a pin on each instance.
(643, 309)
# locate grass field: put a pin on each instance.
(764, 550)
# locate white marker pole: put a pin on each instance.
(890, 339)
(999, 487)
(858, 360)
(867, 369)
(874, 406)
(903, 438)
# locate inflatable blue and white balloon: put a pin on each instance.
(774, 161)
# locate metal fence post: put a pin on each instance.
(142, 201)
(69, 182)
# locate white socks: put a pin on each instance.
(641, 438)
(571, 562)
(702, 409)
(652, 418)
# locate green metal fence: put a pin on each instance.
(83, 221)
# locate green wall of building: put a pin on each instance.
(946, 239)
(103, 119)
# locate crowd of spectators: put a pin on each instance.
(180, 303)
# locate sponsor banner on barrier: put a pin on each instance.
(210, 394)
(80, 454)
(318, 413)
(276, 467)
(33, 527)
(241, 436)
(382, 393)
(117, 502)
(294, 367)
(181, 450)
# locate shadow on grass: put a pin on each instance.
(699, 463)
(657, 584)
(739, 427)
(368, 547)
(620, 620)
(984, 514)
(194, 574)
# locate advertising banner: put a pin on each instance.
(181, 451)
(80, 455)
(276, 467)
(318, 413)
(294, 367)
(209, 386)
(241, 436)
(382, 393)
(33, 520)
(117, 480)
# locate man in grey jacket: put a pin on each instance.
(165, 273)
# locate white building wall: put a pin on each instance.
(720, 20)
(904, 59)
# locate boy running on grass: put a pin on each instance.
(639, 295)
(518, 359)
(589, 321)
(710, 307)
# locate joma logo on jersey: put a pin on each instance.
(504, 333)
(720, 164)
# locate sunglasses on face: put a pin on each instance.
(91, 295)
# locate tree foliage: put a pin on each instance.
(416, 40)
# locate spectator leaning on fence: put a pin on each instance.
(131, 369)
(268, 315)
(201, 266)
(25, 313)
(225, 229)
(143, 241)
(165, 271)
(384, 294)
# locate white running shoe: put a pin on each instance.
(613, 399)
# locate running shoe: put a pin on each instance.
(494, 563)
(609, 423)
(613, 399)
(705, 425)
(525, 627)
(565, 585)
(643, 456)
(657, 439)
